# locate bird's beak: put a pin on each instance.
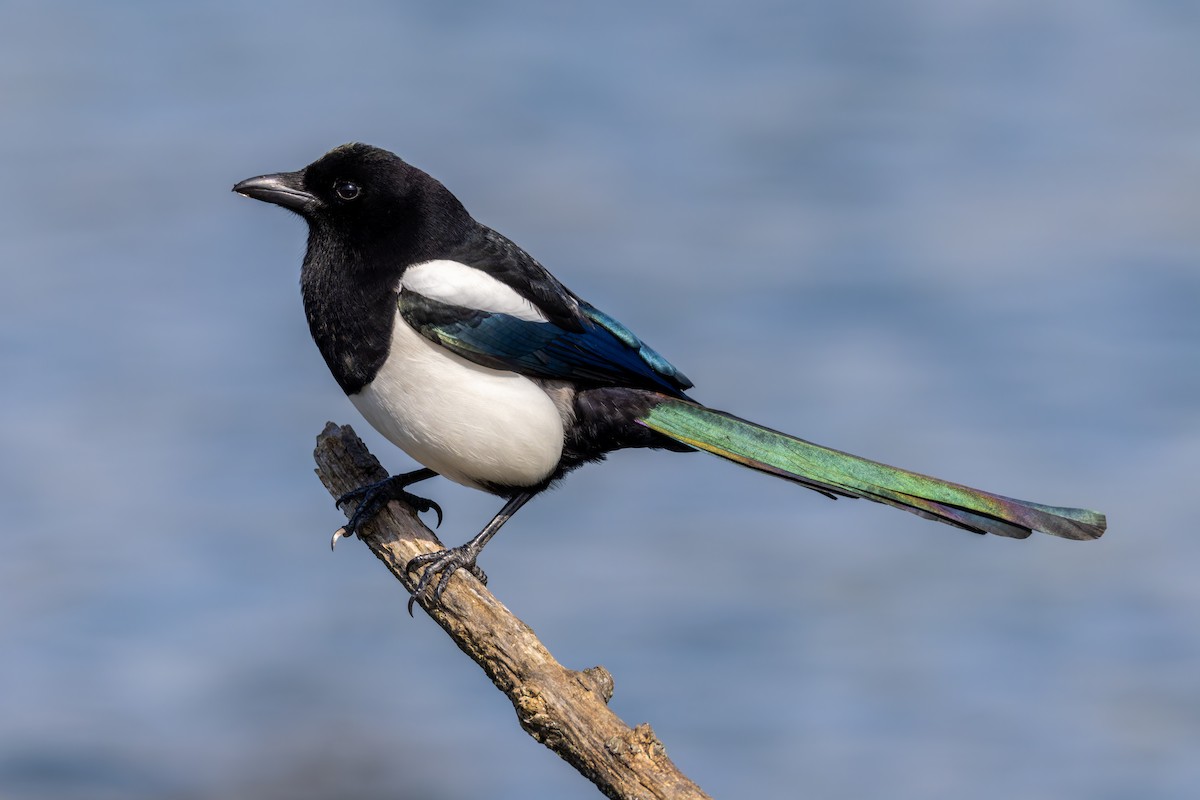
(283, 189)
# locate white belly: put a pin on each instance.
(472, 424)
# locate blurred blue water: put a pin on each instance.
(959, 237)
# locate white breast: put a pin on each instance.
(469, 423)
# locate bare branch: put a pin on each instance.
(561, 708)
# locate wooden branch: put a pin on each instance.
(561, 708)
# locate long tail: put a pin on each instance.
(835, 473)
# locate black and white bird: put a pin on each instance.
(466, 353)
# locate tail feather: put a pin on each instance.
(835, 473)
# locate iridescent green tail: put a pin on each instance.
(834, 473)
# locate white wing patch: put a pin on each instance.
(459, 285)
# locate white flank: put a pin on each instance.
(472, 424)
(459, 285)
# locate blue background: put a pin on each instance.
(960, 237)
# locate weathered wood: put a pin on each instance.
(561, 708)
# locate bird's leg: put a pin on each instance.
(447, 562)
(374, 496)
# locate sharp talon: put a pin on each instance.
(338, 534)
(422, 583)
(424, 504)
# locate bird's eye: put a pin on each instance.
(347, 190)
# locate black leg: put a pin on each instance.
(374, 496)
(447, 562)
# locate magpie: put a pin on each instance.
(467, 354)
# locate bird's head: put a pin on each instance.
(365, 197)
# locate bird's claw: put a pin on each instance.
(444, 563)
(340, 533)
(419, 504)
(372, 498)
(423, 504)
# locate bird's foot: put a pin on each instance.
(444, 563)
(374, 496)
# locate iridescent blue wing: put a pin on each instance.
(602, 353)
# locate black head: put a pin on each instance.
(366, 198)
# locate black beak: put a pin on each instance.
(283, 189)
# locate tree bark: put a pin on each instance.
(561, 708)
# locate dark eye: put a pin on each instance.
(347, 190)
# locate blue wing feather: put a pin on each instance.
(604, 352)
(647, 353)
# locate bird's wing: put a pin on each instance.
(520, 339)
(500, 259)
